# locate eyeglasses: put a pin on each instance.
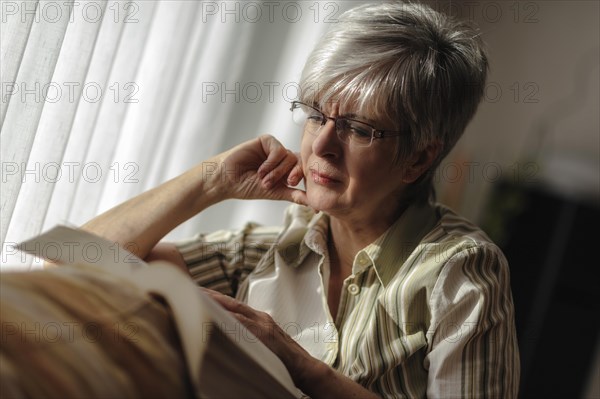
(349, 131)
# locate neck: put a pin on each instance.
(348, 235)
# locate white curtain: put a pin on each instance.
(102, 100)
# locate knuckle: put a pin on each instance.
(280, 150)
(267, 318)
(264, 136)
(236, 305)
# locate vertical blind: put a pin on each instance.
(102, 100)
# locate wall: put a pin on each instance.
(539, 121)
(539, 128)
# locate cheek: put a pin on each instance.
(364, 166)
(373, 172)
(361, 178)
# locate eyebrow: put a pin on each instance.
(350, 115)
(360, 118)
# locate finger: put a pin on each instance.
(209, 291)
(229, 303)
(294, 195)
(249, 323)
(263, 333)
(281, 170)
(295, 176)
(217, 296)
(299, 196)
(275, 153)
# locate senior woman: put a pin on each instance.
(384, 291)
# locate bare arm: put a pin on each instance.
(257, 169)
(168, 252)
(139, 223)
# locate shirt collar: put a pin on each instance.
(307, 231)
(304, 231)
(393, 247)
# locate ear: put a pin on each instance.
(420, 162)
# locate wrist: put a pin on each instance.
(200, 187)
(310, 374)
(213, 182)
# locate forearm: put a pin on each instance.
(318, 380)
(141, 222)
(257, 169)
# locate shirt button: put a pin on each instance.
(353, 289)
(362, 259)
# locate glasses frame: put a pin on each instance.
(375, 133)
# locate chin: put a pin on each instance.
(324, 203)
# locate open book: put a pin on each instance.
(224, 358)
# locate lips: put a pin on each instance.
(322, 178)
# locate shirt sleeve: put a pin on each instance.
(473, 346)
(222, 260)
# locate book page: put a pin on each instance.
(231, 373)
(224, 356)
(248, 342)
(195, 314)
(68, 245)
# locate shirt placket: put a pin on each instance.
(351, 288)
(330, 332)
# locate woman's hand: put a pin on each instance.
(267, 331)
(310, 375)
(257, 169)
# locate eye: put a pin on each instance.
(314, 116)
(359, 130)
(303, 114)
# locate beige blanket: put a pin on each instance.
(77, 332)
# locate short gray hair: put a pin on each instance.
(423, 70)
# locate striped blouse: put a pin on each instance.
(426, 312)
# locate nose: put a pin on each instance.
(326, 143)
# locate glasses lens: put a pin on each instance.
(309, 118)
(349, 131)
(299, 114)
(353, 132)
